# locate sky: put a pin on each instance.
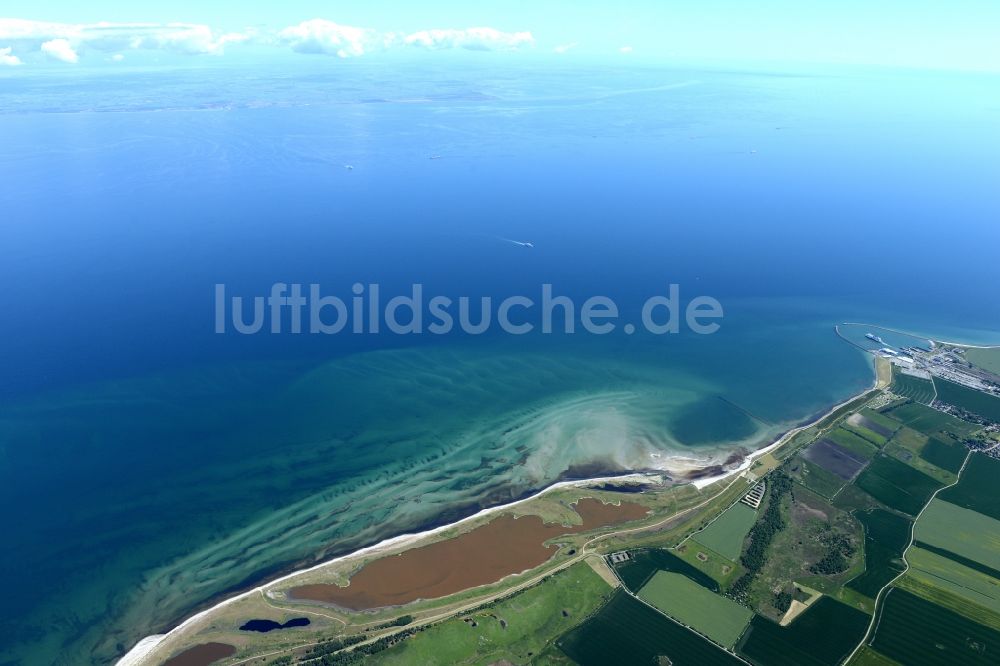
(958, 34)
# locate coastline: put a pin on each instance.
(781, 441)
(141, 650)
(919, 337)
(137, 655)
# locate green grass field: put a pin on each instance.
(514, 629)
(852, 498)
(643, 564)
(722, 570)
(931, 421)
(856, 443)
(910, 439)
(880, 419)
(949, 456)
(915, 461)
(822, 636)
(912, 630)
(626, 631)
(953, 602)
(897, 485)
(977, 402)
(886, 536)
(915, 388)
(961, 531)
(866, 433)
(720, 618)
(726, 534)
(987, 359)
(817, 479)
(977, 489)
(867, 656)
(964, 561)
(974, 586)
(914, 448)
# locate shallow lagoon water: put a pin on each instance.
(149, 466)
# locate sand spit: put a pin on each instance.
(144, 651)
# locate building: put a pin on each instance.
(755, 496)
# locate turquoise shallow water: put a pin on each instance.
(149, 466)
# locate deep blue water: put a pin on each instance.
(132, 437)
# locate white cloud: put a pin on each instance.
(626, 49)
(187, 38)
(66, 41)
(563, 48)
(475, 39)
(9, 59)
(60, 49)
(322, 36)
(345, 41)
(71, 42)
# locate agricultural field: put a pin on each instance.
(912, 630)
(854, 427)
(873, 420)
(948, 456)
(958, 604)
(726, 534)
(869, 657)
(852, 498)
(946, 609)
(911, 439)
(835, 458)
(643, 564)
(815, 478)
(977, 487)
(627, 631)
(915, 388)
(886, 537)
(977, 402)
(987, 359)
(931, 421)
(720, 618)
(721, 570)
(964, 561)
(939, 570)
(897, 485)
(911, 447)
(822, 636)
(516, 629)
(857, 442)
(961, 531)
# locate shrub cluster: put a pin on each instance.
(761, 535)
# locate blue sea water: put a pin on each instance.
(149, 465)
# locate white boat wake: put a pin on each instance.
(516, 242)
